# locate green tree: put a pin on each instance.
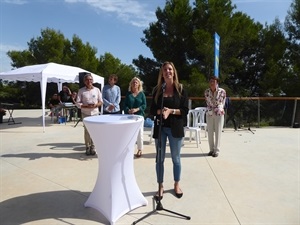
(208, 17)
(273, 65)
(184, 35)
(169, 37)
(52, 46)
(82, 55)
(148, 70)
(108, 64)
(21, 58)
(49, 47)
(248, 58)
(292, 27)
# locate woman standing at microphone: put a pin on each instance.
(170, 108)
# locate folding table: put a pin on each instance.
(10, 108)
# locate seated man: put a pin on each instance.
(54, 105)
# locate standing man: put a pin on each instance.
(89, 99)
(215, 100)
(111, 94)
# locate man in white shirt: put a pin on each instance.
(89, 99)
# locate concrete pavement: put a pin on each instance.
(46, 177)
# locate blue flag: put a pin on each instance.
(217, 50)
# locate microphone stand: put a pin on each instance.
(158, 199)
(78, 115)
(248, 111)
(78, 120)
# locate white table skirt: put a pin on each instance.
(116, 191)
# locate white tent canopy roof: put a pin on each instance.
(52, 71)
(46, 73)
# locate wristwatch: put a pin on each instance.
(174, 111)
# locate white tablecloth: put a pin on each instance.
(116, 191)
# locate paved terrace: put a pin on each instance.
(46, 178)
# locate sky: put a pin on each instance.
(111, 26)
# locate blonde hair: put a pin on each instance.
(140, 84)
(161, 80)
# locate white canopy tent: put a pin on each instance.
(46, 73)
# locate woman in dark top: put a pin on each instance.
(65, 94)
(173, 114)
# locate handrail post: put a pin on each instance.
(190, 104)
(258, 112)
(294, 113)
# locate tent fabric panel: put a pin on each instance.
(45, 73)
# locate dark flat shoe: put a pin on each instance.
(157, 197)
(210, 153)
(139, 154)
(87, 151)
(178, 195)
(216, 154)
(93, 152)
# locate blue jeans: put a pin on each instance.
(175, 147)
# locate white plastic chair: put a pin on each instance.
(192, 125)
(201, 119)
(151, 134)
(152, 129)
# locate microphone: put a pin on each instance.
(163, 86)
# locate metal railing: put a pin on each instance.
(257, 111)
(260, 111)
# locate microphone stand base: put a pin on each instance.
(159, 207)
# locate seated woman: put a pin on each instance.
(65, 94)
(54, 105)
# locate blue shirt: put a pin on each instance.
(111, 96)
